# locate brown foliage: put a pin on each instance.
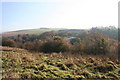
(29, 46)
(8, 42)
(55, 46)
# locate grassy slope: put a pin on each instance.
(19, 63)
(37, 31)
(28, 31)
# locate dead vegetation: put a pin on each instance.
(19, 63)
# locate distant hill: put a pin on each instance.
(29, 31)
(110, 31)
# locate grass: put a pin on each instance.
(19, 63)
(28, 31)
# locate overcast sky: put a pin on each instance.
(79, 14)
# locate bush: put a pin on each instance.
(119, 49)
(8, 42)
(75, 40)
(29, 46)
(37, 45)
(97, 44)
(78, 48)
(55, 46)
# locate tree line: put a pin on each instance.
(88, 42)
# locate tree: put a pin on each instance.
(110, 31)
(97, 44)
(102, 46)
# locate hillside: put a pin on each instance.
(19, 63)
(29, 31)
(111, 32)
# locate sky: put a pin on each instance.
(73, 14)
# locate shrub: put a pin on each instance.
(29, 46)
(75, 40)
(78, 48)
(37, 45)
(55, 46)
(8, 42)
(119, 48)
(97, 44)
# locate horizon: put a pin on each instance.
(59, 28)
(59, 14)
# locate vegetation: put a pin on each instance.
(55, 46)
(19, 63)
(8, 42)
(110, 31)
(73, 41)
(62, 54)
